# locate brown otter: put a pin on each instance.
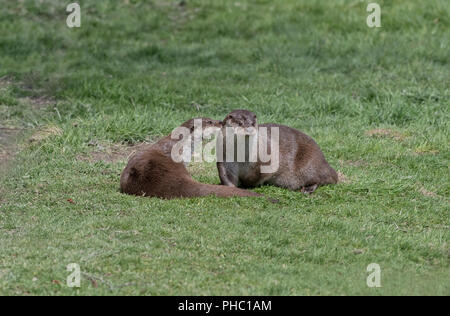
(167, 143)
(153, 173)
(301, 163)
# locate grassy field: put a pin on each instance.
(74, 103)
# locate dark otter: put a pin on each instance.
(302, 164)
(153, 173)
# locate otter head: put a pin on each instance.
(205, 123)
(205, 128)
(241, 121)
(194, 131)
(201, 123)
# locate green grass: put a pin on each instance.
(137, 69)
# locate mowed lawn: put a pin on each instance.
(76, 102)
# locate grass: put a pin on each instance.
(376, 101)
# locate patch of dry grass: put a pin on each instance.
(386, 133)
(44, 133)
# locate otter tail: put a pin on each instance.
(225, 191)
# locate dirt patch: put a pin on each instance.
(112, 153)
(425, 150)
(38, 103)
(386, 133)
(425, 192)
(342, 178)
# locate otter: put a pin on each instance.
(153, 173)
(167, 143)
(302, 165)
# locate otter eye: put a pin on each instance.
(231, 117)
(192, 128)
